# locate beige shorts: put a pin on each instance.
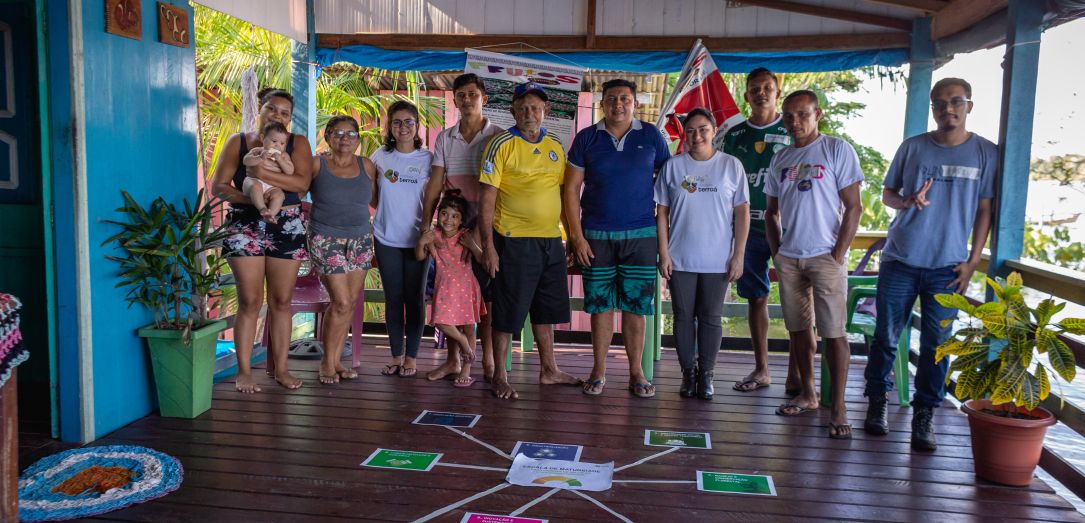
(813, 291)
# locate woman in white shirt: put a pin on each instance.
(403, 168)
(703, 218)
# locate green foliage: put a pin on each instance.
(1067, 169)
(169, 260)
(1016, 375)
(1055, 248)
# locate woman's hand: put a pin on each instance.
(735, 266)
(665, 266)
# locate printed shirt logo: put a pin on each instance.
(759, 147)
(961, 171)
(537, 151)
(757, 179)
(488, 167)
(391, 175)
(778, 138)
(553, 156)
(803, 171)
(695, 184)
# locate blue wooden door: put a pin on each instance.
(22, 245)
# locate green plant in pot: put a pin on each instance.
(1007, 357)
(170, 264)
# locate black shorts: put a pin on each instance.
(532, 278)
(250, 235)
(485, 282)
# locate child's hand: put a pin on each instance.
(427, 237)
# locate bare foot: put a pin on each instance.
(345, 373)
(288, 380)
(245, 384)
(502, 389)
(327, 374)
(558, 378)
(448, 368)
(467, 355)
(268, 216)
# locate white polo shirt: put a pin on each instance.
(461, 159)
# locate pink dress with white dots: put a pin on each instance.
(457, 298)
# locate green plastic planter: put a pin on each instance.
(183, 372)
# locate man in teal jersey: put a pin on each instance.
(754, 142)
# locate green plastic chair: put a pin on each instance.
(860, 322)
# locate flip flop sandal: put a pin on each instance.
(464, 384)
(590, 387)
(391, 370)
(786, 410)
(642, 390)
(834, 431)
(744, 385)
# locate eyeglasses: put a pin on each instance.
(941, 105)
(341, 134)
(404, 123)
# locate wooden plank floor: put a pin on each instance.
(294, 455)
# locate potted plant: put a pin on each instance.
(169, 261)
(1007, 357)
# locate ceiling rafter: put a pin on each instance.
(832, 12)
(926, 6)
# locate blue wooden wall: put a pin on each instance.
(141, 127)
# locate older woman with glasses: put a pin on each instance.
(404, 168)
(340, 239)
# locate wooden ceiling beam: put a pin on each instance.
(926, 6)
(832, 12)
(589, 39)
(552, 43)
(962, 14)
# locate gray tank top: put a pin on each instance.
(340, 205)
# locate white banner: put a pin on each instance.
(503, 73)
(553, 473)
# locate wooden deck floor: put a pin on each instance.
(295, 455)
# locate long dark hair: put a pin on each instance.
(402, 105)
(266, 94)
(451, 199)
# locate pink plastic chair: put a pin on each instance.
(309, 296)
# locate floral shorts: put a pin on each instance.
(332, 255)
(250, 235)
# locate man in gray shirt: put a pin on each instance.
(941, 184)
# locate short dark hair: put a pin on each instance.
(700, 111)
(762, 71)
(946, 82)
(336, 120)
(804, 93)
(619, 82)
(402, 105)
(266, 94)
(451, 199)
(468, 79)
(273, 127)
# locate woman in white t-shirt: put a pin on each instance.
(403, 168)
(703, 218)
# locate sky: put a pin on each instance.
(1059, 125)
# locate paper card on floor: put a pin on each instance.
(447, 419)
(402, 459)
(568, 475)
(548, 450)
(665, 438)
(729, 483)
(472, 517)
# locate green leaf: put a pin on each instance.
(967, 383)
(973, 360)
(1014, 280)
(997, 289)
(1061, 357)
(1073, 325)
(991, 308)
(1043, 381)
(955, 301)
(1010, 378)
(1020, 311)
(1043, 312)
(1029, 393)
(996, 324)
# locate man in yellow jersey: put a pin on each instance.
(523, 170)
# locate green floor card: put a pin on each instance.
(402, 459)
(663, 438)
(728, 483)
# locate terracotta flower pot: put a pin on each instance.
(1006, 450)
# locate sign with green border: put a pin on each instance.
(402, 459)
(728, 483)
(665, 438)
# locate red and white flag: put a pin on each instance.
(699, 85)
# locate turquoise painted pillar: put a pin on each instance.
(303, 79)
(920, 71)
(1015, 131)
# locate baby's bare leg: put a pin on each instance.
(275, 197)
(256, 194)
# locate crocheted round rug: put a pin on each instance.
(93, 480)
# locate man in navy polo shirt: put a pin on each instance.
(612, 233)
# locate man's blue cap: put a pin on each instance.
(527, 88)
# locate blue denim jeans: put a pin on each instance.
(898, 287)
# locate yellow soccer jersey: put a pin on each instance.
(528, 178)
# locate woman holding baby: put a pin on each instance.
(260, 174)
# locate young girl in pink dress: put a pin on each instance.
(457, 298)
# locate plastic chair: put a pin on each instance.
(309, 296)
(862, 288)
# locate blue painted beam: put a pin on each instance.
(303, 79)
(1025, 24)
(920, 72)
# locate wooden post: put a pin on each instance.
(920, 71)
(303, 79)
(1015, 131)
(9, 451)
